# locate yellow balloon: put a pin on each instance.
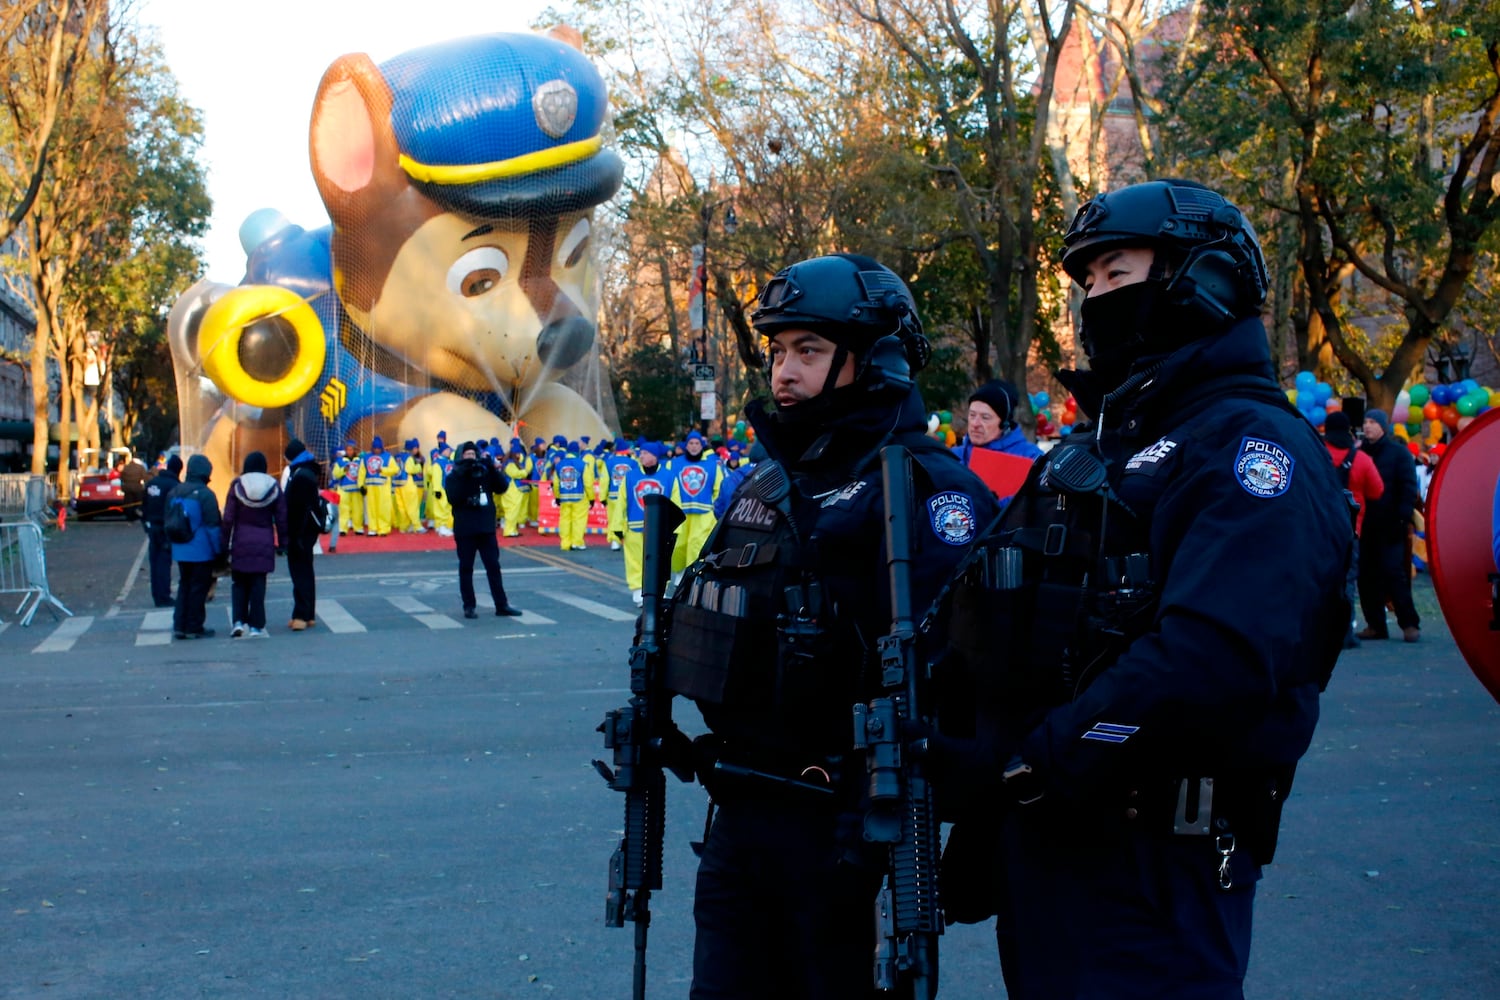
(1291, 396)
(1400, 431)
(219, 335)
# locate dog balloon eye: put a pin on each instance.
(478, 271)
(574, 245)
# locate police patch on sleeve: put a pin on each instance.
(952, 516)
(1263, 468)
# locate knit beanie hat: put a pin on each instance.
(999, 396)
(1336, 430)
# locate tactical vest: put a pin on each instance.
(751, 639)
(1058, 590)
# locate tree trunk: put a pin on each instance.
(64, 430)
(40, 398)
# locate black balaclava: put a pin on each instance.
(1137, 321)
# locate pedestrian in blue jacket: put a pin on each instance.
(195, 557)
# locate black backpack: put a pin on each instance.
(178, 526)
(321, 514)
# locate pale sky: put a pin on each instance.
(252, 70)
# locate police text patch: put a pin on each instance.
(1152, 455)
(952, 516)
(1263, 468)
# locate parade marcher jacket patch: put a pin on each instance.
(1263, 468)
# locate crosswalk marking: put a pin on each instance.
(423, 613)
(593, 607)
(155, 628)
(62, 638)
(332, 614)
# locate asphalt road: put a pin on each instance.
(406, 808)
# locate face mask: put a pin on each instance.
(1112, 334)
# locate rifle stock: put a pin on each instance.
(908, 914)
(637, 734)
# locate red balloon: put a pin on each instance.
(1071, 405)
(1449, 415)
(1415, 447)
(1431, 410)
(1068, 417)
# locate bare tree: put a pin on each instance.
(42, 43)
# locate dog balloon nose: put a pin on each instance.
(563, 343)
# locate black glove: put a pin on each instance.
(967, 773)
(361, 491)
(675, 752)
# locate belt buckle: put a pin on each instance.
(1056, 539)
(747, 555)
(1193, 816)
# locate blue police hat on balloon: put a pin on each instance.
(501, 126)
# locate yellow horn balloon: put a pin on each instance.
(274, 312)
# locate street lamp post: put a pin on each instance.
(701, 322)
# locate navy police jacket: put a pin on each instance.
(839, 505)
(1248, 533)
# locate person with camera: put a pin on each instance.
(473, 488)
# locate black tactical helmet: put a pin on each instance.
(1213, 262)
(860, 305)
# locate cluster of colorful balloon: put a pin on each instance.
(1044, 426)
(1068, 418)
(1315, 399)
(940, 428)
(1443, 408)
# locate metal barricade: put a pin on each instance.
(23, 569)
(24, 495)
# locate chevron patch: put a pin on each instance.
(1110, 732)
(332, 399)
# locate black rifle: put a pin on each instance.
(638, 734)
(907, 912)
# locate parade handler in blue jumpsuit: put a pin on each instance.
(774, 633)
(1149, 628)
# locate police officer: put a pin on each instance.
(474, 487)
(1151, 625)
(774, 632)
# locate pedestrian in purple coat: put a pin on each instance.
(254, 531)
